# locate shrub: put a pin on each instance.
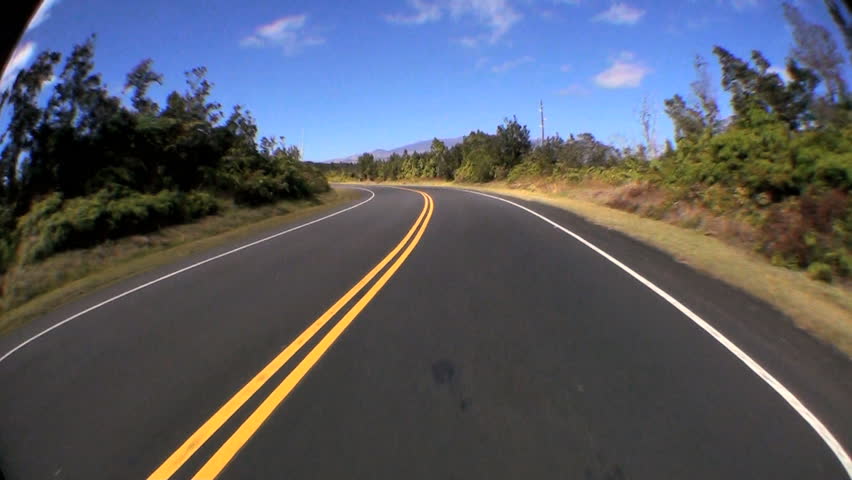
(813, 228)
(53, 226)
(524, 170)
(478, 166)
(820, 271)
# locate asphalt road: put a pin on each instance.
(488, 343)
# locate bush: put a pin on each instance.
(53, 225)
(478, 166)
(311, 179)
(525, 169)
(7, 238)
(820, 271)
(813, 228)
(256, 180)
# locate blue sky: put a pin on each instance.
(355, 76)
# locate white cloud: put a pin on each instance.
(50, 81)
(623, 73)
(288, 33)
(42, 14)
(496, 16)
(781, 72)
(512, 64)
(423, 13)
(699, 23)
(20, 58)
(620, 14)
(575, 89)
(470, 42)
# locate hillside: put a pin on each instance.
(381, 154)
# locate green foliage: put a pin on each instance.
(513, 142)
(54, 225)
(367, 169)
(820, 271)
(478, 166)
(80, 168)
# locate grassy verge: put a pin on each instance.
(32, 290)
(823, 310)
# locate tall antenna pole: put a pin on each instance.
(541, 111)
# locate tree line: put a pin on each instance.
(78, 166)
(782, 162)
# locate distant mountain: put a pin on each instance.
(382, 154)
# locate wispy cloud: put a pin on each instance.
(623, 73)
(423, 13)
(574, 90)
(512, 64)
(497, 17)
(42, 14)
(20, 58)
(743, 4)
(621, 14)
(288, 33)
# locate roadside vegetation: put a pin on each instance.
(79, 168)
(36, 288)
(774, 177)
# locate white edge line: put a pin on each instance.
(178, 272)
(755, 367)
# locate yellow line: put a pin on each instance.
(197, 439)
(229, 449)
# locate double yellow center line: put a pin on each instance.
(235, 442)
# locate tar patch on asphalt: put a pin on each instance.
(445, 372)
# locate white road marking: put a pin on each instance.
(755, 367)
(178, 272)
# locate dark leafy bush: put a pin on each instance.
(813, 228)
(54, 225)
(820, 271)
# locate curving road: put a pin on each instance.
(427, 333)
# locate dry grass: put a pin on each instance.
(32, 290)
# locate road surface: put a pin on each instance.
(442, 334)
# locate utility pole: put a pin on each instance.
(302, 147)
(541, 112)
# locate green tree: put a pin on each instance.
(759, 88)
(703, 90)
(367, 169)
(24, 117)
(440, 155)
(842, 16)
(815, 49)
(480, 154)
(77, 89)
(688, 121)
(140, 80)
(513, 142)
